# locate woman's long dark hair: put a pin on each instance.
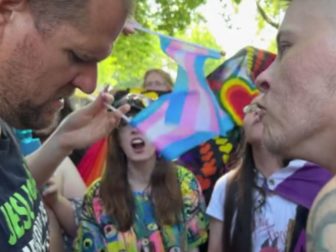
(117, 195)
(239, 203)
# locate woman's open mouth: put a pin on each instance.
(137, 143)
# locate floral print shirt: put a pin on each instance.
(98, 232)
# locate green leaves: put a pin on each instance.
(175, 15)
(133, 55)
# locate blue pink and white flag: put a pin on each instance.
(233, 85)
(190, 115)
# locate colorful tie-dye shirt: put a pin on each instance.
(97, 231)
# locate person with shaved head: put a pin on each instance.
(299, 100)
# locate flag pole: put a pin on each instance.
(143, 29)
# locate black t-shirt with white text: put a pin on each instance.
(23, 218)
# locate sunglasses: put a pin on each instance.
(137, 102)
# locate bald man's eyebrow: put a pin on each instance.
(90, 57)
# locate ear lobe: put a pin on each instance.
(12, 5)
(7, 8)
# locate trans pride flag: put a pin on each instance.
(190, 115)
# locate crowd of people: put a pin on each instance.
(272, 199)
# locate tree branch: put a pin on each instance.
(265, 17)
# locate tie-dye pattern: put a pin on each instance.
(97, 231)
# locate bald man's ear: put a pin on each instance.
(7, 7)
(13, 4)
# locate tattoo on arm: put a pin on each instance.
(322, 224)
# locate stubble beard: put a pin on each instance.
(17, 73)
(25, 115)
(273, 142)
(36, 117)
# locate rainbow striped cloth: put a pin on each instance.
(190, 114)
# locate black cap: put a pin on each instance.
(136, 101)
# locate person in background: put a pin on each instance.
(157, 80)
(160, 82)
(47, 50)
(63, 216)
(264, 201)
(142, 202)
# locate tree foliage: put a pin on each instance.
(270, 11)
(169, 16)
(133, 55)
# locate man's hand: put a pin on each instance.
(130, 27)
(79, 130)
(89, 124)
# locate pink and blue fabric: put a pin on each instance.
(190, 115)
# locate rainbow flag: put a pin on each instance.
(233, 81)
(233, 85)
(92, 164)
(190, 115)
